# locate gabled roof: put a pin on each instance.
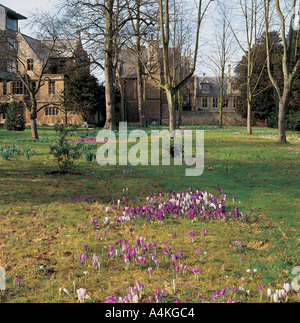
(64, 47)
(214, 85)
(12, 13)
(205, 80)
(67, 48)
(37, 46)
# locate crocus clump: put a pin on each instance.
(193, 205)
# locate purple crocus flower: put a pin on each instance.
(192, 234)
(196, 271)
(260, 287)
(179, 254)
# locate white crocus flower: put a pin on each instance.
(81, 292)
(269, 292)
(287, 287)
(135, 299)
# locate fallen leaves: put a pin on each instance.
(284, 235)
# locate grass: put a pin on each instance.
(43, 250)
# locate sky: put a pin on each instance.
(28, 7)
(25, 7)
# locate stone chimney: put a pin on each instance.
(229, 71)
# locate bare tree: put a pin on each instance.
(141, 22)
(167, 80)
(290, 59)
(220, 57)
(252, 16)
(100, 23)
(181, 55)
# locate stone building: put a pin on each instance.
(206, 109)
(156, 106)
(200, 95)
(34, 59)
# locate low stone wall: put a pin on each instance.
(211, 118)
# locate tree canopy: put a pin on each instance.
(83, 94)
(264, 98)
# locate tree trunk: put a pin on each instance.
(33, 116)
(221, 99)
(281, 123)
(171, 108)
(249, 127)
(221, 116)
(139, 67)
(180, 103)
(66, 118)
(283, 104)
(139, 82)
(249, 96)
(33, 125)
(144, 100)
(123, 118)
(109, 69)
(110, 122)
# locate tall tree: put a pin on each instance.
(167, 79)
(220, 55)
(290, 60)
(100, 23)
(252, 17)
(264, 100)
(83, 94)
(140, 21)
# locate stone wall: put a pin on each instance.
(211, 118)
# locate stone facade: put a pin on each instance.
(156, 107)
(200, 95)
(27, 55)
(211, 118)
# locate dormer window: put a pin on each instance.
(11, 23)
(205, 87)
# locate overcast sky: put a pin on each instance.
(25, 7)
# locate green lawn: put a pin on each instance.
(45, 222)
